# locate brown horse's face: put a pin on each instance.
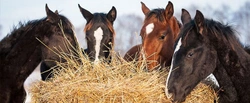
(158, 35)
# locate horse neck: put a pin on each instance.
(227, 91)
(234, 56)
(236, 62)
(23, 55)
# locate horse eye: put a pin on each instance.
(162, 37)
(190, 55)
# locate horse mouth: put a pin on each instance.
(168, 94)
(176, 97)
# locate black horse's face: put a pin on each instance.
(193, 60)
(99, 33)
(99, 42)
(60, 37)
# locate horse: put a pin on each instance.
(24, 49)
(100, 34)
(159, 32)
(206, 47)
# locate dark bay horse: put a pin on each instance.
(207, 47)
(99, 34)
(22, 50)
(159, 32)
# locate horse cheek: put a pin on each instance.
(209, 64)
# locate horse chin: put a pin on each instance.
(179, 98)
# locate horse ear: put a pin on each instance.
(86, 14)
(185, 16)
(56, 12)
(169, 10)
(144, 8)
(51, 16)
(199, 21)
(112, 14)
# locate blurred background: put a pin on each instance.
(129, 15)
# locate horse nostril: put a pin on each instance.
(169, 92)
(169, 95)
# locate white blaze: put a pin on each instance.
(98, 37)
(171, 68)
(149, 28)
(35, 76)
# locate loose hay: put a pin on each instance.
(117, 82)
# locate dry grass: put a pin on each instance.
(119, 81)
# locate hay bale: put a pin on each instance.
(118, 81)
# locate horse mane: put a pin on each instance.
(16, 34)
(66, 23)
(224, 33)
(224, 38)
(19, 32)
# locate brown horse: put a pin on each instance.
(159, 32)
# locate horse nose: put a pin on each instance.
(169, 91)
(168, 94)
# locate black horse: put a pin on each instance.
(208, 47)
(99, 34)
(24, 48)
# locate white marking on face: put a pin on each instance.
(149, 28)
(171, 68)
(211, 78)
(35, 76)
(98, 37)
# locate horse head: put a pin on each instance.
(159, 31)
(99, 33)
(194, 57)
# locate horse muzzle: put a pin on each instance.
(169, 95)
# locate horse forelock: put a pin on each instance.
(156, 15)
